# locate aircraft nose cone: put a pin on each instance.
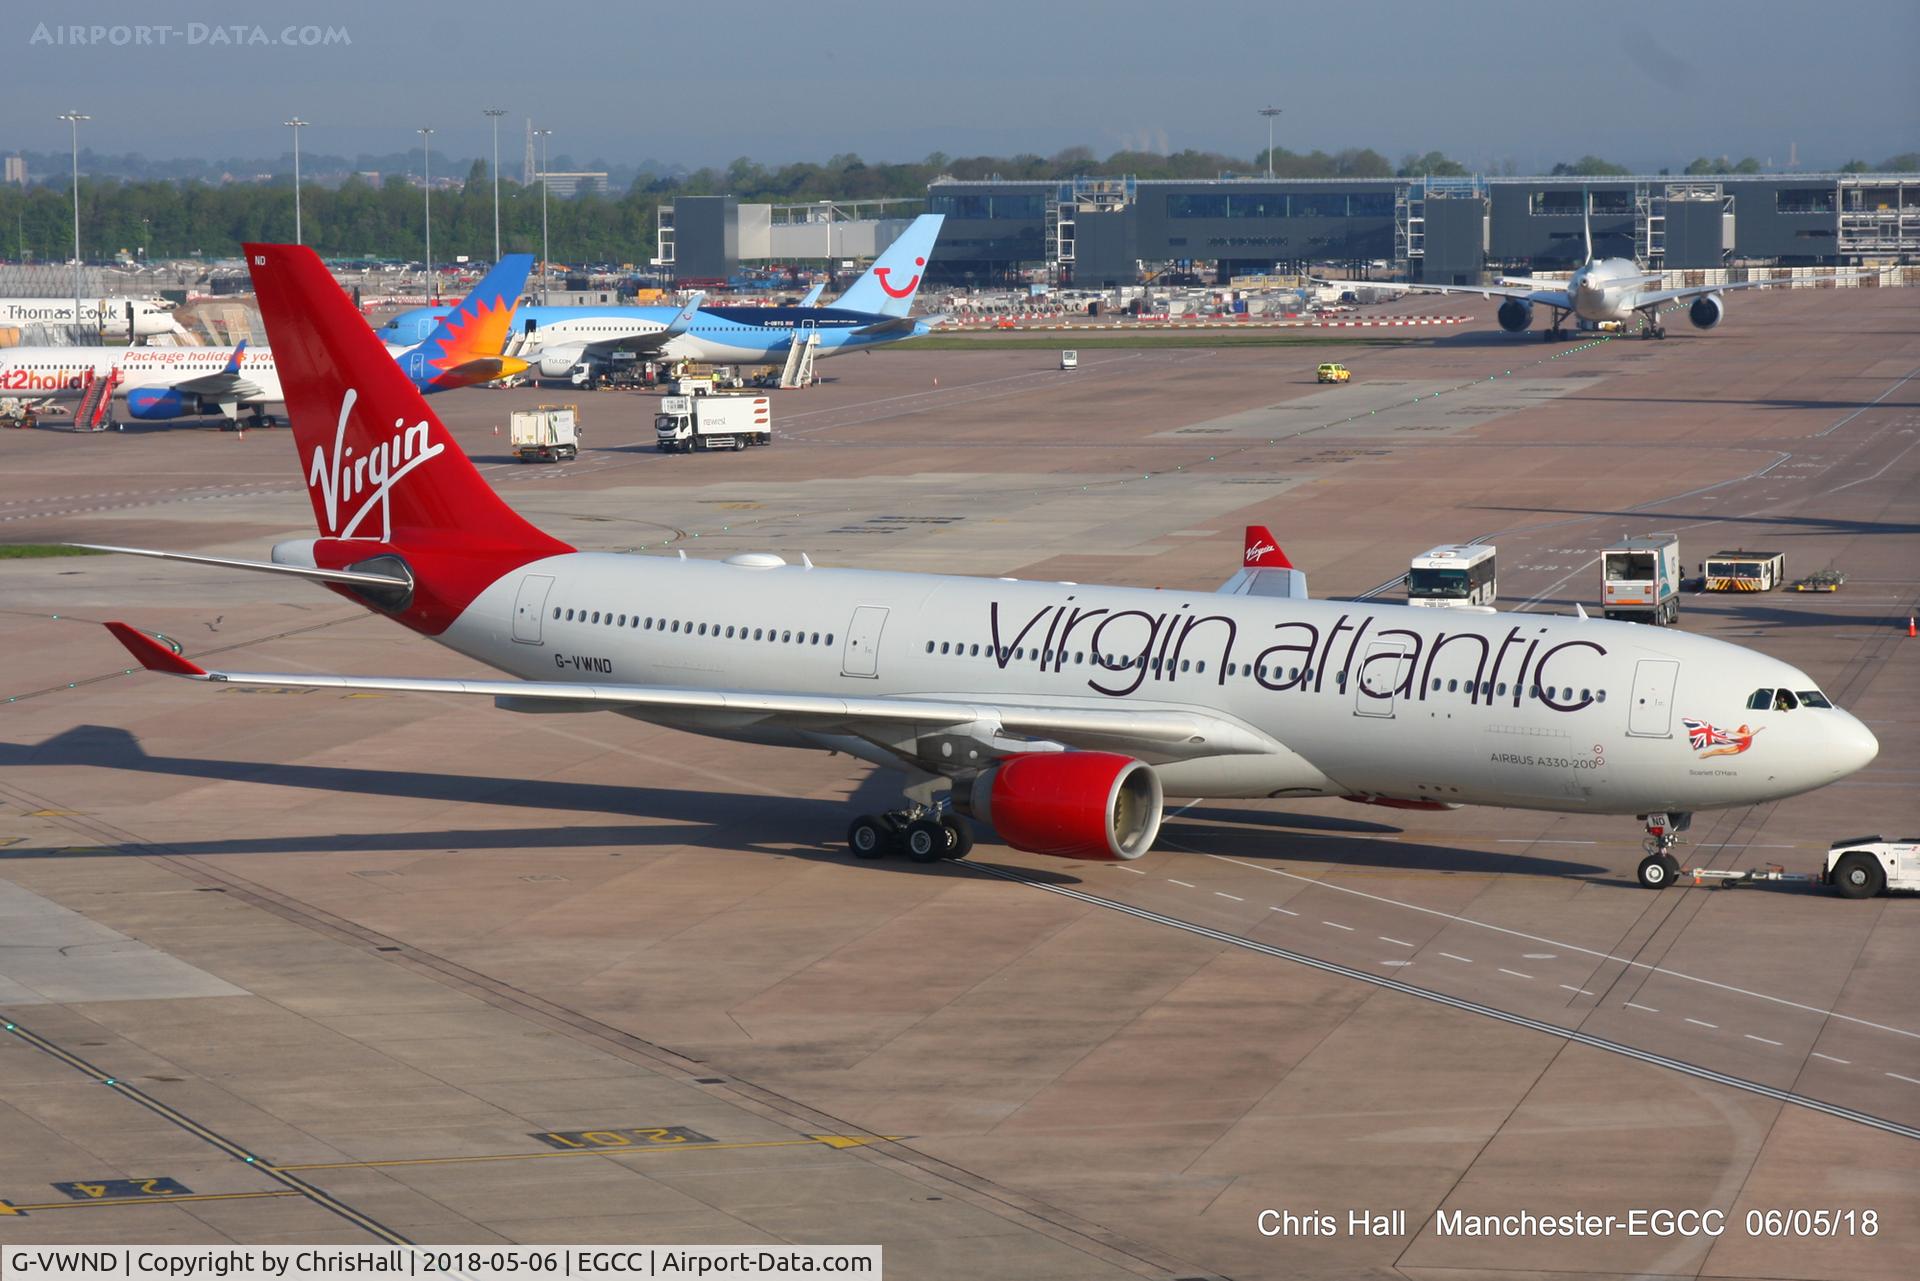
(1854, 747)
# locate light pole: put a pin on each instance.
(74, 118)
(494, 113)
(1269, 113)
(545, 266)
(426, 186)
(296, 124)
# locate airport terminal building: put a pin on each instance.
(1098, 232)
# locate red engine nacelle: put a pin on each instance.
(1091, 805)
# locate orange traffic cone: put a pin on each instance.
(1910, 627)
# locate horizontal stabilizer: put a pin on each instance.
(344, 577)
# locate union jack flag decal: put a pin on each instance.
(1710, 740)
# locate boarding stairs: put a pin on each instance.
(799, 367)
(94, 412)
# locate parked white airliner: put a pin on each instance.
(1600, 291)
(1062, 713)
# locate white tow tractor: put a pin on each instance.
(1860, 868)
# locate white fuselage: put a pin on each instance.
(1606, 289)
(65, 373)
(1349, 699)
(144, 317)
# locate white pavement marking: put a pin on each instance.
(1829, 1058)
(1635, 1005)
(1223, 894)
(1581, 990)
(1451, 957)
(1185, 885)
(1336, 925)
(1289, 911)
(1704, 1023)
(1909, 1080)
(1136, 871)
(1764, 1040)
(1575, 947)
(1516, 973)
(1396, 942)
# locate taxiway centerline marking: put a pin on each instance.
(1572, 947)
(835, 1141)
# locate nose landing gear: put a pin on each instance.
(1659, 868)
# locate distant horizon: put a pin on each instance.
(1496, 84)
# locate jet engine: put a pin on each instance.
(155, 402)
(1515, 315)
(1706, 310)
(1089, 805)
(559, 362)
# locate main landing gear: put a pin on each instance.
(922, 834)
(1659, 868)
(1653, 331)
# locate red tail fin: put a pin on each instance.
(1263, 550)
(379, 465)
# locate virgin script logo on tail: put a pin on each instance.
(1256, 550)
(881, 273)
(342, 478)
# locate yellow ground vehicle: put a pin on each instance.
(1333, 372)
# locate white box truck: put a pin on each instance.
(686, 423)
(549, 434)
(1640, 579)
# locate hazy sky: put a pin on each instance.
(1648, 83)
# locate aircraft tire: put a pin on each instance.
(925, 841)
(869, 837)
(1858, 876)
(959, 836)
(1657, 871)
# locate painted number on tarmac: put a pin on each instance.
(636, 1136)
(114, 1189)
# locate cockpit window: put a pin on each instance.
(1760, 700)
(1784, 701)
(1813, 698)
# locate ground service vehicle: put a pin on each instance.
(686, 423)
(549, 434)
(1640, 579)
(1333, 372)
(1863, 867)
(1454, 576)
(1738, 571)
(1069, 360)
(1821, 580)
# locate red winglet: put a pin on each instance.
(1263, 550)
(153, 656)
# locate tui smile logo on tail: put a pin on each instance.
(881, 273)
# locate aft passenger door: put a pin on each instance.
(1651, 713)
(528, 605)
(1382, 671)
(861, 657)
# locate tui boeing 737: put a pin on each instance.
(1061, 713)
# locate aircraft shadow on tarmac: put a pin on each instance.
(720, 820)
(1266, 840)
(1794, 524)
(694, 817)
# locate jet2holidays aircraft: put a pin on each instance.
(1061, 713)
(579, 342)
(462, 349)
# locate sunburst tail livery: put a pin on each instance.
(466, 346)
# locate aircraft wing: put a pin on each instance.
(227, 385)
(896, 325)
(1694, 291)
(1548, 293)
(1156, 735)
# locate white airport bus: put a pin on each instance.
(1454, 576)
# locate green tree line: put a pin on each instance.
(356, 218)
